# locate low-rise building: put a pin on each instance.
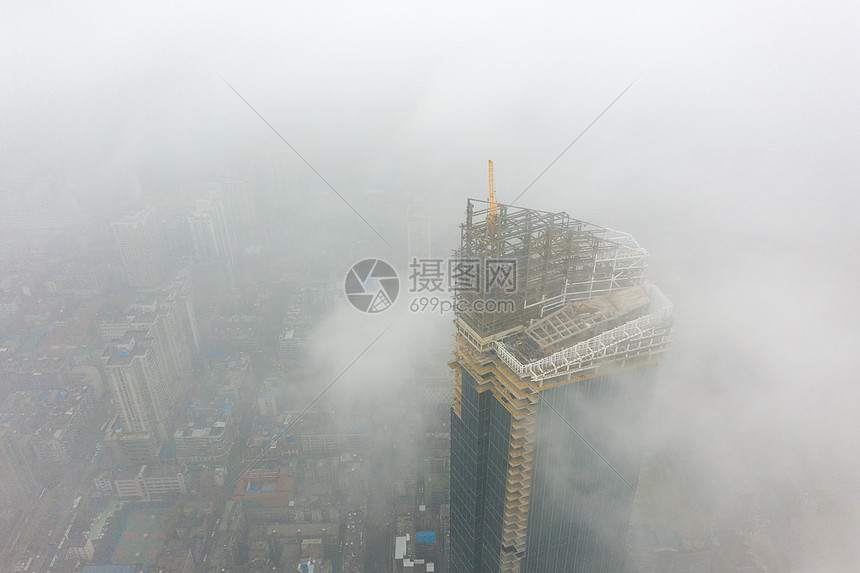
(103, 482)
(83, 552)
(130, 448)
(315, 444)
(175, 557)
(267, 402)
(209, 444)
(69, 411)
(151, 481)
(265, 492)
(9, 304)
(83, 283)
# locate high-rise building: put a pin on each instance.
(140, 385)
(213, 236)
(142, 248)
(418, 230)
(275, 197)
(558, 332)
(242, 207)
(36, 204)
(147, 364)
(276, 178)
(160, 323)
(178, 295)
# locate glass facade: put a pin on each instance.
(479, 464)
(579, 507)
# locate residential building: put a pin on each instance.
(213, 236)
(418, 231)
(142, 248)
(141, 388)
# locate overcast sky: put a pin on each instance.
(733, 158)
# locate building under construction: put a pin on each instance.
(557, 338)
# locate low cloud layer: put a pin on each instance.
(732, 160)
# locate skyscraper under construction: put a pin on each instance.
(558, 335)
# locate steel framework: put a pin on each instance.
(558, 259)
(645, 336)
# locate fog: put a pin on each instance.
(732, 159)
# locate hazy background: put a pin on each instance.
(733, 160)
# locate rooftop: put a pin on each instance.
(579, 320)
(121, 352)
(570, 297)
(539, 261)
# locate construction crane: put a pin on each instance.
(494, 208)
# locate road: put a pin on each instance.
(52, 512)
(381, 521)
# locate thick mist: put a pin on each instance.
(732, 160)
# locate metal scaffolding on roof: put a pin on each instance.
(639, 339)
(558, 259)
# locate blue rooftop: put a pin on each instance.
(426, 537)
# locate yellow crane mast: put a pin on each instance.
(493, 205)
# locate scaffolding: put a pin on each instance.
(557, 259)
(637, 340)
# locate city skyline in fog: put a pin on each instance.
(731, 159)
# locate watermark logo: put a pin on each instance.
(435, 304)
(438, 285)
(497, 277)
(371, 285)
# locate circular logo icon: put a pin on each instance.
(371, 285)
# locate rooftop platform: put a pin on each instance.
(579, 300)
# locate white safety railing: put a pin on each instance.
(652, 331)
